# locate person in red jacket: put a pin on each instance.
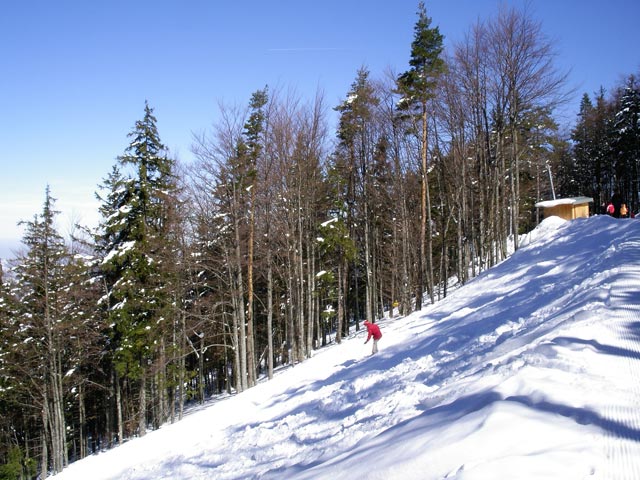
(373, 331)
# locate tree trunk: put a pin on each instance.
(515, 208)
(340, 321)
(44, 459)
(239, 314)
(82, 419)
(251, 354)
(300, 310)
(142, 407)
(201, 393)
(270, 352)
(182, 365)
(235, 340)
(426, 204)
(312, 316)
(424, 195)
(369, 287)
(161, 383)
(116, 381)
(292, 349)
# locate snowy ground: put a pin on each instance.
(531, 371)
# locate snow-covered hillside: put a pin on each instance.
(531, 371)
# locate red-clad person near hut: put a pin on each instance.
(373, 331)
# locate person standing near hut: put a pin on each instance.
(610, 209)
(623, 210)
(616, 201)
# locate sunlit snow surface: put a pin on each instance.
(530, 371)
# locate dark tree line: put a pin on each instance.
(282, 236)
(607, 147)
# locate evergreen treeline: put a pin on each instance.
(202, 279)
(606, 147)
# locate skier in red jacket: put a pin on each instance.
(373, 331)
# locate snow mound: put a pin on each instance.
(548, 226)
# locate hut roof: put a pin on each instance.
(564, 201)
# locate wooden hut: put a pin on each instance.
(567, 208)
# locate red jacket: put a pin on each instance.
(373, 330)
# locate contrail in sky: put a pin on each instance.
(304, 49)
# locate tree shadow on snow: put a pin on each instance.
(428, 425)
(581, 416)
(597, 346)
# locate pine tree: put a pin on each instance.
(253, 133)
(136, 251)
(42, 330)
(417, 86)
(593, 149)
(581, 137)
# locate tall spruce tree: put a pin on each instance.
(253, 133)
(135, 258)
(581, 137)
(417, 87)
(41, 361)
(592, 149)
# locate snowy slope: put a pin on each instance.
(530, 371)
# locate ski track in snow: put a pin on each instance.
(623, 439)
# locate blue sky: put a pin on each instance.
(76, 74)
